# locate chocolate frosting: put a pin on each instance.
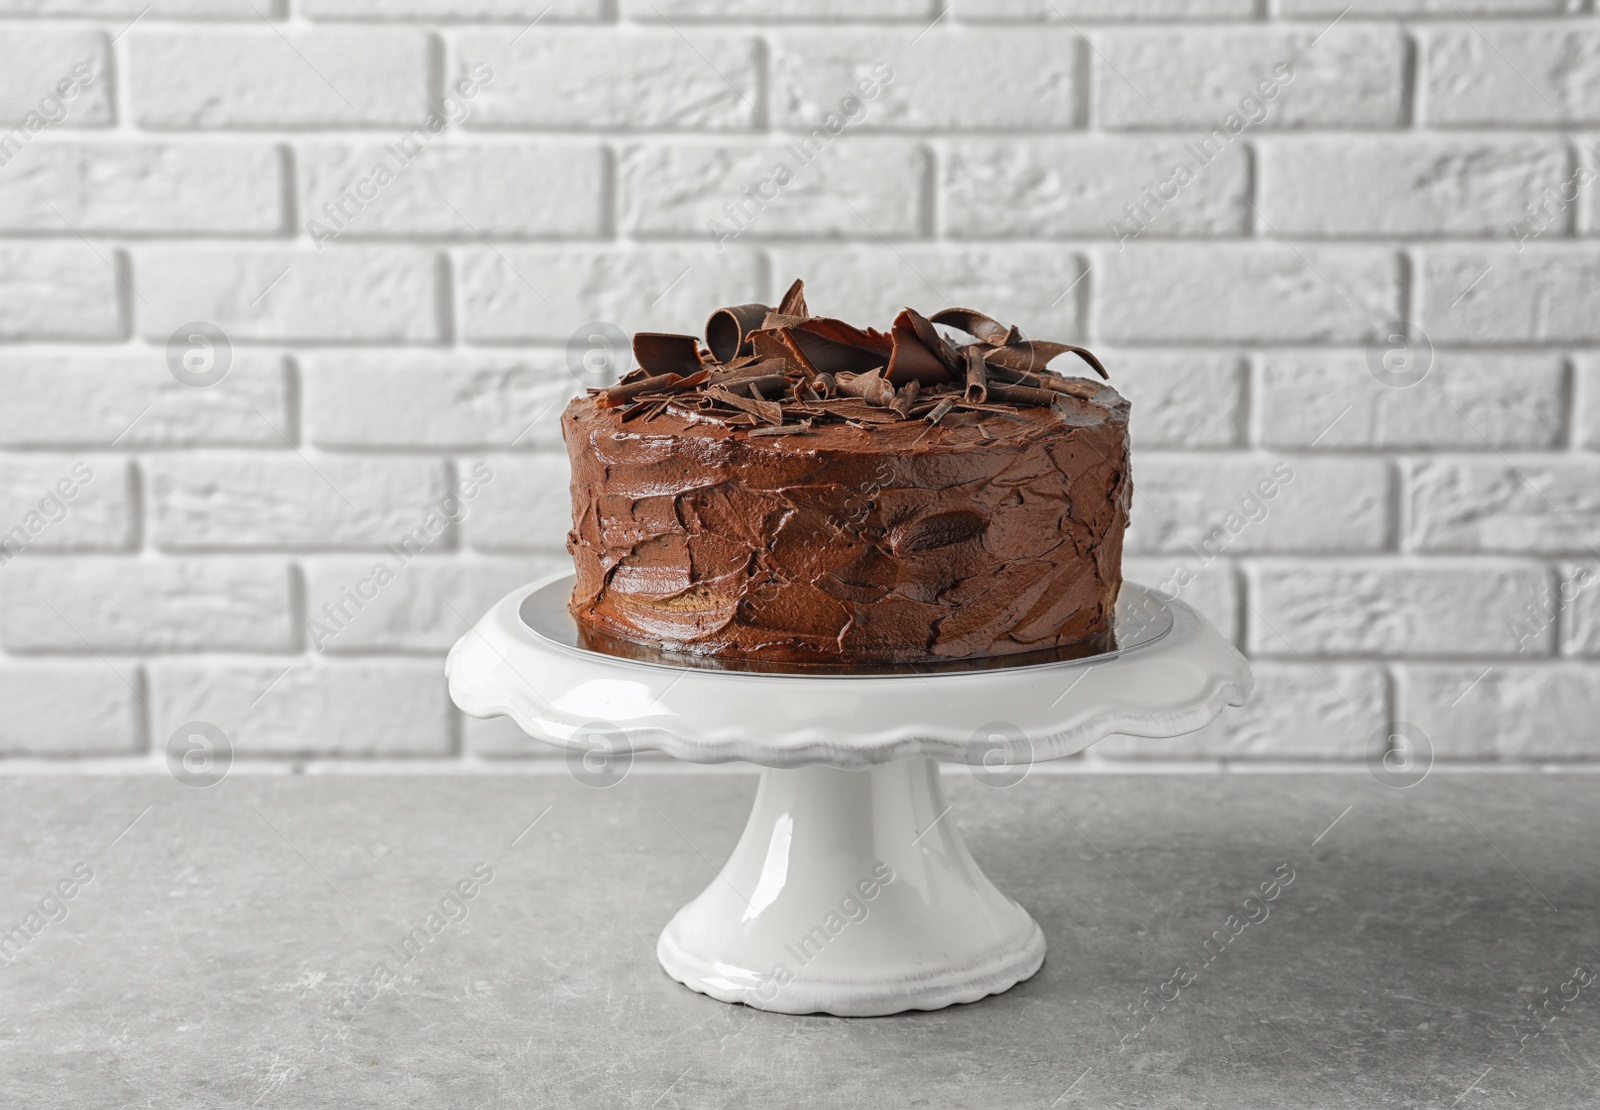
(844, 516)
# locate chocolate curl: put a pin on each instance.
(977, 376)
(985, 329)
(940, 411)
(794, 301)
(870, 387)
(834, 347)
(935, 342)
(622, 394)
(664, 353)
(728, 330)
(903, 400)
(1021, 394)
(759, 387)
(1031, 357)
(1072, 387)
(909, 359)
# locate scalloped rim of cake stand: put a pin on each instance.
(1163, 686)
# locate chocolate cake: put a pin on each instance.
(800, 491)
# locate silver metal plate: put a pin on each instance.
(1141, 618)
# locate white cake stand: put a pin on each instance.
(850, 892)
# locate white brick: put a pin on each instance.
(447, 10)
(1200, 506)
(272, 77)
(64, 503)
(59, 291)
(850, 187)
(1243, 292)
(1546, 504)
(44, 66)
(1576, 601)
(1531, 711)
(1546, 293)
(1450, 607)
(1212, 591)
(527, 507)
(611, 79)
(1469, 401)
(1101, 9)
(1493, 73)
(133, 401)
(547, 293)
(1086, 185)
(110, 604)
(161, 9)
(1296, 711)
(1391, 8)
(1188, 399)
(1350, 77)
(1587, 417)
(177, 188)
(275, 499)
(275, 295)
(1410, 185)
(1025, 284)
(428, 399)
(426, 604)
(974, 78)
(370, 708)
(829, 10)
(57, 709)
(458, 190)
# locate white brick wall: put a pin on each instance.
(394, 334)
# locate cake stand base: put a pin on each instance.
(851, 893)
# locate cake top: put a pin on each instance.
(782, 371)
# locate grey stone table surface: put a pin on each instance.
(219, 946)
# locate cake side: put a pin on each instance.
(998, 533)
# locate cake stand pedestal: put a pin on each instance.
(850, 892)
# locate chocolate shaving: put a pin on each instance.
(794, 301)
(770, 411)
(665, 353)
(985, 329)
(910, 360)
(1033, 356)
(977, 390)
(728, 329)
(622, 394)
(761, 365)
(783, 429)
(904, 398)
(739, 420)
